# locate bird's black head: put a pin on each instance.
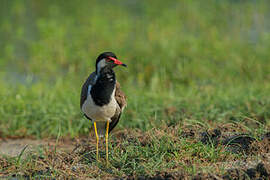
(107, 59)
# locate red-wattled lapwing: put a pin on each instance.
(102, 101)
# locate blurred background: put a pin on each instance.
(188, 61)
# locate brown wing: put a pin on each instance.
(89, 81)
(122, 103)
(120, 96)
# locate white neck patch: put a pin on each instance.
(101, 64)
(90, 86)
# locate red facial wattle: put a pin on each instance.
(116, 61)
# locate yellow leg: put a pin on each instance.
(95, 126)
(107, 149)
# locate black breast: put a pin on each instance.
(102, 90)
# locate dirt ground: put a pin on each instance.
(256, 165)
(13, 147)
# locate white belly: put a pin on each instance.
(99, 113)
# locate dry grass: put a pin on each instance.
(171, 152)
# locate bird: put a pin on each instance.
(102, 101)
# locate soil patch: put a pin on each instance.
(13, 147)
(77, 157)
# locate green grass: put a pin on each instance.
(189, 62)
(132, 154)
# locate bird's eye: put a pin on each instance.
(108, 60)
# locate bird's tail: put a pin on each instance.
(101, 129)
